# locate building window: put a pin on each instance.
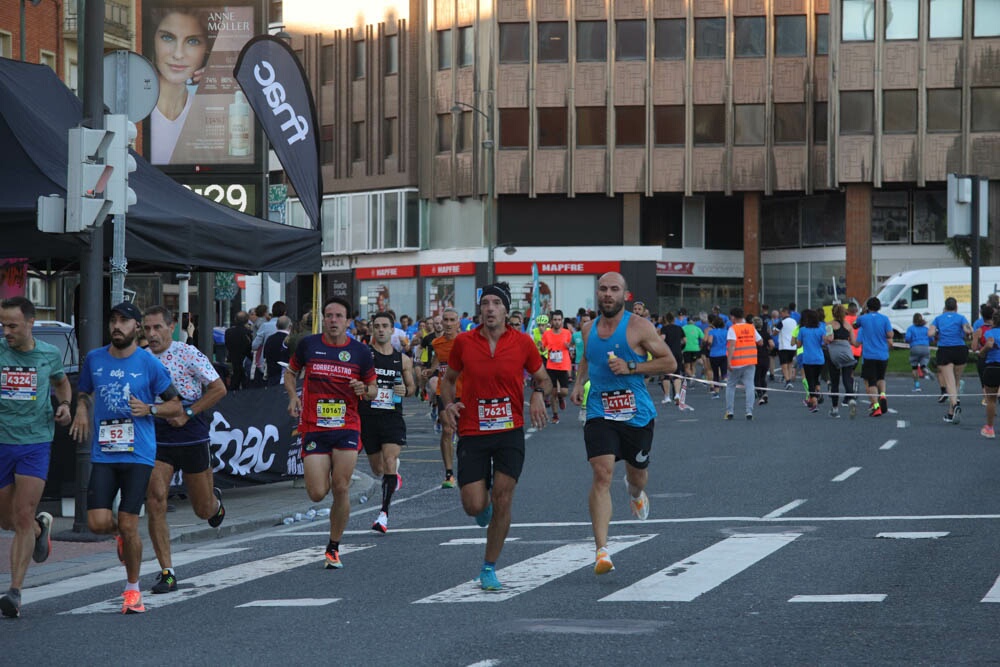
(514, 43)
(902, 19)
(789, 123)
(390, 128)
(444, 49)
(6, 44)
(858, 18)
(591, 41)
(930, 217)
(899, 111)
(790, 35)
(709, 124)
(748, 40)
(985, 109)
(944, 110)
(986, 18)
(668, 122)
(946, 19)
(890, 216)
(670, 39)
(326, 63)
(391, 54)
(357, 141)
(464, 135)
(553, 42)
(445, 121)
(359, 60)
(819, 122)
(466, 46)
(630, 40)
(513, 128)
(552, 127)
(748, 120)
(857, 112)
(48, 59)
(630, 126)
(326, 144)
(591, 126)
(822, 34)
(710, 38)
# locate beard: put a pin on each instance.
(612, 310)
(125, 342)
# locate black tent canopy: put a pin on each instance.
(170, 226)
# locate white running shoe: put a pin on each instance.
(381, 524)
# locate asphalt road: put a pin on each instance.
(791, 539)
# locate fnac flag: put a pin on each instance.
(276, 87)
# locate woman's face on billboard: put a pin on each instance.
(180, 47)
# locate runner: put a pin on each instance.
(492, 359)
(875, 335)
(29, 368)
(693, 336)
(557, 343)
(620, 412)
(991, 373)
(673, 336)
(439, 366)
(840, 341)
(181, 442)
(920, 348)
(715, 341)
(121, 383)
(786, 348)
(951, 329)
(337, 372)
(383, 430)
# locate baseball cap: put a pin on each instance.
(128, 310)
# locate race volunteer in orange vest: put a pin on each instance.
(742, 341)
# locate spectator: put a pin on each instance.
(263, 331)
(276, 352)
(238, 350)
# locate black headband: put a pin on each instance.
(498, 291)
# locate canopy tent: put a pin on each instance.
(170, 226)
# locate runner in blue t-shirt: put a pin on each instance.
(920, 348)
(951, 329)
(715, 339)
(875, 335)
(991, 373)
(121, 383)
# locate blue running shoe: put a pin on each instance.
(488, 579)
(484, 517)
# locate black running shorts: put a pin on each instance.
(952, 354)
(190, 459)
(324, 442)
(873, 370)
(991, 375)
(107, 479)
(628, 443)
(387, 428)
(557, 376)
(505, 451)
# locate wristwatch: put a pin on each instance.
(631, 367)
(152, 410)
(189, 412)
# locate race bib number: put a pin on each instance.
(619, 405)
(19, 383)
(384, 399)
(442, 369)
(495, 414)
(116, 436)
(330, 413)
(556, 356)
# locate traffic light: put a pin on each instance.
(121, 162)
(87, 177)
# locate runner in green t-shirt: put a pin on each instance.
(693, 337)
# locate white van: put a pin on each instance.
(911, 292)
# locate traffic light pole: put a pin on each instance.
(119, 263)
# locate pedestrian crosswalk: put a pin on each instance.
(540, 567)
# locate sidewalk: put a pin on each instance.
(248, 509)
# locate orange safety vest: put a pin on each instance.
(745, 352)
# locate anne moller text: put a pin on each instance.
(226, 22)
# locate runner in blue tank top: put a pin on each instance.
(619, 355)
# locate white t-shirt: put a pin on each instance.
(788, 326)
(165, 132)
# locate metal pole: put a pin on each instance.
(974, 239)
(119, 263)
(22, 32)
(491, 231)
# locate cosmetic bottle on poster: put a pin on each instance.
(239, 126)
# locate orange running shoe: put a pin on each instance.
(603, 564)
(133, 603)
(333, 560)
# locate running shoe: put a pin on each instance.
(562, 402)
(835, 413)
(555, 418)
(987, 432)
(640, 506)
(132, 603)
(449, 482)
(43, 543)
(332, 560)
(381, 524)
(956, 417)
(916, 386)
(715, 395)
(749, 417)
(853, 405)
(10, 604)
(876, 411)
(602, 563)
(483, 518)
(665, 401)
(943, 397)
(788, 386)
(216, 519)
(488, 579)
(166, 582)
(677, 400)
(120, 544)
(949, 418)
(728, 416)
(762, 401)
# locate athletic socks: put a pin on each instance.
(129, 586)
(388, 488)
(333, 546)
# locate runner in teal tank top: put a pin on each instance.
(620, 398)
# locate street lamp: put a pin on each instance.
(34, 3)
(489, 219)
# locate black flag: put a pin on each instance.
(276, 87)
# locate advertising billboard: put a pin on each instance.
(202, 118)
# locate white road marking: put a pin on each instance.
(218, 580)
(301, 602)
(844, 475)
(114, 574)
(529, 574)
(889, 444)
(685, 580)
(902, 423)
(994, 593)
(784, 509)
(485, 663)
(913, 536)
(851, 597)
(462, 541)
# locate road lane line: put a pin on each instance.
(784, 509)
(464, 541)
(529, 574)
(994, 594)
(889, 444)
(914, 535)
(301, 602)
(218, 580)
(687, 579)
(844, 475)
(850, 597)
